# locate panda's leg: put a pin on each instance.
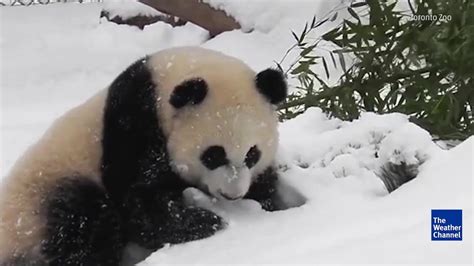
(264, 190)
(272, 194)
(160, 217)
(82, 227)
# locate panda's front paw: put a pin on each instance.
(200, 223)
(194, 197)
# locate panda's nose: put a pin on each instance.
(229, 197)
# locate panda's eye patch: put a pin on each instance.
(214, 157)
(252, 157)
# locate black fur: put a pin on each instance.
(83, 225)
(264, 190)
(134, 147)
(252, 157)
(136, 170)
(191, 91)
(272, 84)
(213, 157)
(161, 217)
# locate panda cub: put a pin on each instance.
(112, 170)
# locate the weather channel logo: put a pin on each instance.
(446, 225)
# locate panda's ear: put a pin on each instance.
(272, 84)
(189, 92)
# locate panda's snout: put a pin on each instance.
(230, 197)
(228, 182)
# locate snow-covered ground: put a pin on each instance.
(128, 9)
(54, 57)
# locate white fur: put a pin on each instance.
(71, 146)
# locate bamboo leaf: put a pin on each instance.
(307, 50)
(353, 13)
(279, 67)
(342, 61)
(333, 59)
(358, 4)
(330, 35)
(325, 67)
(295, 36)
(321, 23)
(313, 22)
(303, 33)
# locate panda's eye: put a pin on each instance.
(252, 157)
(214, 157)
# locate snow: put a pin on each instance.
(128, 9)
(56, 56)
(266, 15)
(271, 23)
(348, 217)
(407, 144)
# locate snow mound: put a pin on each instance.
(348, 217)
(129, 9)
(364, 144)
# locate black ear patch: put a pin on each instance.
(192, 91)
(272, 84)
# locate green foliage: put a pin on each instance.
(418, 61)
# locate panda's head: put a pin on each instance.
(220, 120)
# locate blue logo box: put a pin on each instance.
(446, 225)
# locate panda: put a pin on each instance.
(113, 170)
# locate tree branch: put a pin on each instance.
(197, 12)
